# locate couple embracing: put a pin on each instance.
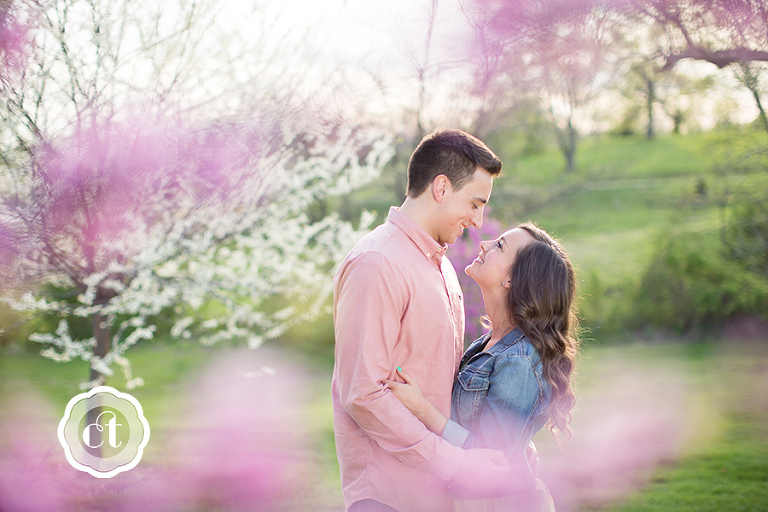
(419, 425)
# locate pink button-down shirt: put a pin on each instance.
(397, 302)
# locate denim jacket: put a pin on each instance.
(500, 400)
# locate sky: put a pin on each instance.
(380, 35)
(369, 49)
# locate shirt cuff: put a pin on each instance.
(455, 433)
(446, 461)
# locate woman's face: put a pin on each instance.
(491, 267)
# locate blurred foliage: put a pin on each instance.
(692, 283)
(746, 235)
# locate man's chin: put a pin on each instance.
(456, 236)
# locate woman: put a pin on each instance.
(515, 379)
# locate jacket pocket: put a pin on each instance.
(472, 380)
(469, 396)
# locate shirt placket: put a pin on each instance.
(454, 301)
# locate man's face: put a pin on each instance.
(463, 208)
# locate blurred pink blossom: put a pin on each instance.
(628, 422)
(13, 37)
(238, 445)
(242, 444)
(462, 253)
(30, 456)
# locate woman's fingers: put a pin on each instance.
(405, 375)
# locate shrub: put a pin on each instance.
(691, 283)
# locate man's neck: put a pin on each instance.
(420, 212)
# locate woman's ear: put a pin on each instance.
(507, 284)
(440, 185)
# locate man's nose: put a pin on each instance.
(477, 218)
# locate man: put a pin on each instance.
(397, 302)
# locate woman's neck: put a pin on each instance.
(501, 323)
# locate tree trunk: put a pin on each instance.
(101, 331)
(762, 116)
(750, 81)
(678, 120)
(570, 164)
(569, 148)
(651, 100)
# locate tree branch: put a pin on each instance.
(720, 58)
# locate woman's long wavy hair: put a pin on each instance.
(541, 302)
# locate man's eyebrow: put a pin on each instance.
(480, 199)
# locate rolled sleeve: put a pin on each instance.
(455, 433)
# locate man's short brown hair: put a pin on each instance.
(454, 153)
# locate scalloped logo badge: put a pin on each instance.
(103, 432)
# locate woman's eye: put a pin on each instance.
(498, 244)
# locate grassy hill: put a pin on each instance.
(628, 197)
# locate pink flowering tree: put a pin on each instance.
(127, 207)
(569, 48)
(462, 253)
(554, 55)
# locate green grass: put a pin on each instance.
(625, 193)
(724, 464)
(166, 362)
(623, 184)
(604, 157)
(733, 479)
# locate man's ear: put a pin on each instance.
(440, 185)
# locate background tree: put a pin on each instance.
(726, 34)
(671, 93)
(556, 52)
(722, 33)
(134, 196)
(749, 73)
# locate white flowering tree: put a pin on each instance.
(117, 208)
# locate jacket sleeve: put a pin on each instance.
(368, 309)
(513, 394)
(504, 422)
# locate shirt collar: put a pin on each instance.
(426, 244)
